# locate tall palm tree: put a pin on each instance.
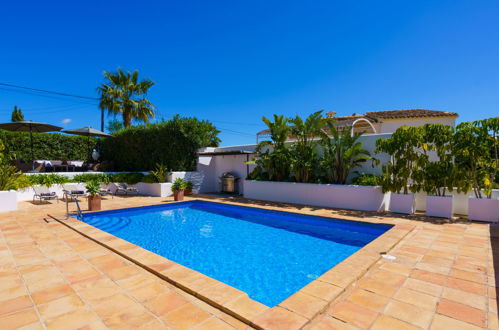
(124, 94)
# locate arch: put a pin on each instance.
(362, 119)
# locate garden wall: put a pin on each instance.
(364, 198)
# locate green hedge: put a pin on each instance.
(50, 146)
(173, 143)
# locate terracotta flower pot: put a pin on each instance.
(94, 203)
(178, 195)
(188, 192)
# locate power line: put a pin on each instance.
(47, 96)
(50, 92)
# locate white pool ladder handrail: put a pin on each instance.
(79, 214)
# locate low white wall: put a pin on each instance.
(8, 200)
(364, 198)
(154, 189)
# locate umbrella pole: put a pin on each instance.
(88, 149)
(32, 152)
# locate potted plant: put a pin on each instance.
(188, 188)
(178, 188)
(437, 176)
(476, 156)
(402, 168)
(94, 198)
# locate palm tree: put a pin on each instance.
(304, 149)
(342, 153)
(124, 94)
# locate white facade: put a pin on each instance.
(391, 125)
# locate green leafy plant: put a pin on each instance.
(160, 173)
(367, 180)
(48, 179)
(189, 185)
(342, 153)
(304, 149)
(179, 184)
(476, 156)
(101, 177)
(437, 176)
(402, 147)
(274, 160)
(93, 188)
(128, 178)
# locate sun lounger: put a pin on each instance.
(72, 191)
(43, 193)
(125, 189)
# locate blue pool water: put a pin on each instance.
(267, 254)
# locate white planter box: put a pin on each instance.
(154, 189)
(402, 203)
(483, 209)
(8, 200)
(364, 198)
(439, 206)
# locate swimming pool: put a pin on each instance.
(267, 254)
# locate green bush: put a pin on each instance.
(47, 179)
(128, 178)
(50, 146)
(367, 180)
(101, 177)
(173, 143)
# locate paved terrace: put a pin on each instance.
(52, 277)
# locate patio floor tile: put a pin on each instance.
(443, 277)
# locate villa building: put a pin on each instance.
(385, 122)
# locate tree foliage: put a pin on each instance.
(173, 143)
(342, 153)
(403, 166)
(17, 114)
(274, 162)
(124, 94)
(50, 146)
(476, 154)
(293, 152)
(306, 134)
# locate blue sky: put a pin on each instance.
(233, 62)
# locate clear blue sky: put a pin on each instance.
(233, 62)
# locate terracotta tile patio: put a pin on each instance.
(443, 277)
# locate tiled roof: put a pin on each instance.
(409, 113)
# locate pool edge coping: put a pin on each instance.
(299, 308)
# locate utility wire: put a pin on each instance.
(50, 92)
(47, 96)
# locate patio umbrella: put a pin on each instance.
(29, 126)
(88, 132)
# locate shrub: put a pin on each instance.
(160, 173)
(48, 179)
(367, 180)
(128, 178)
(173, 143)
(101, 177)
(46, 145)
